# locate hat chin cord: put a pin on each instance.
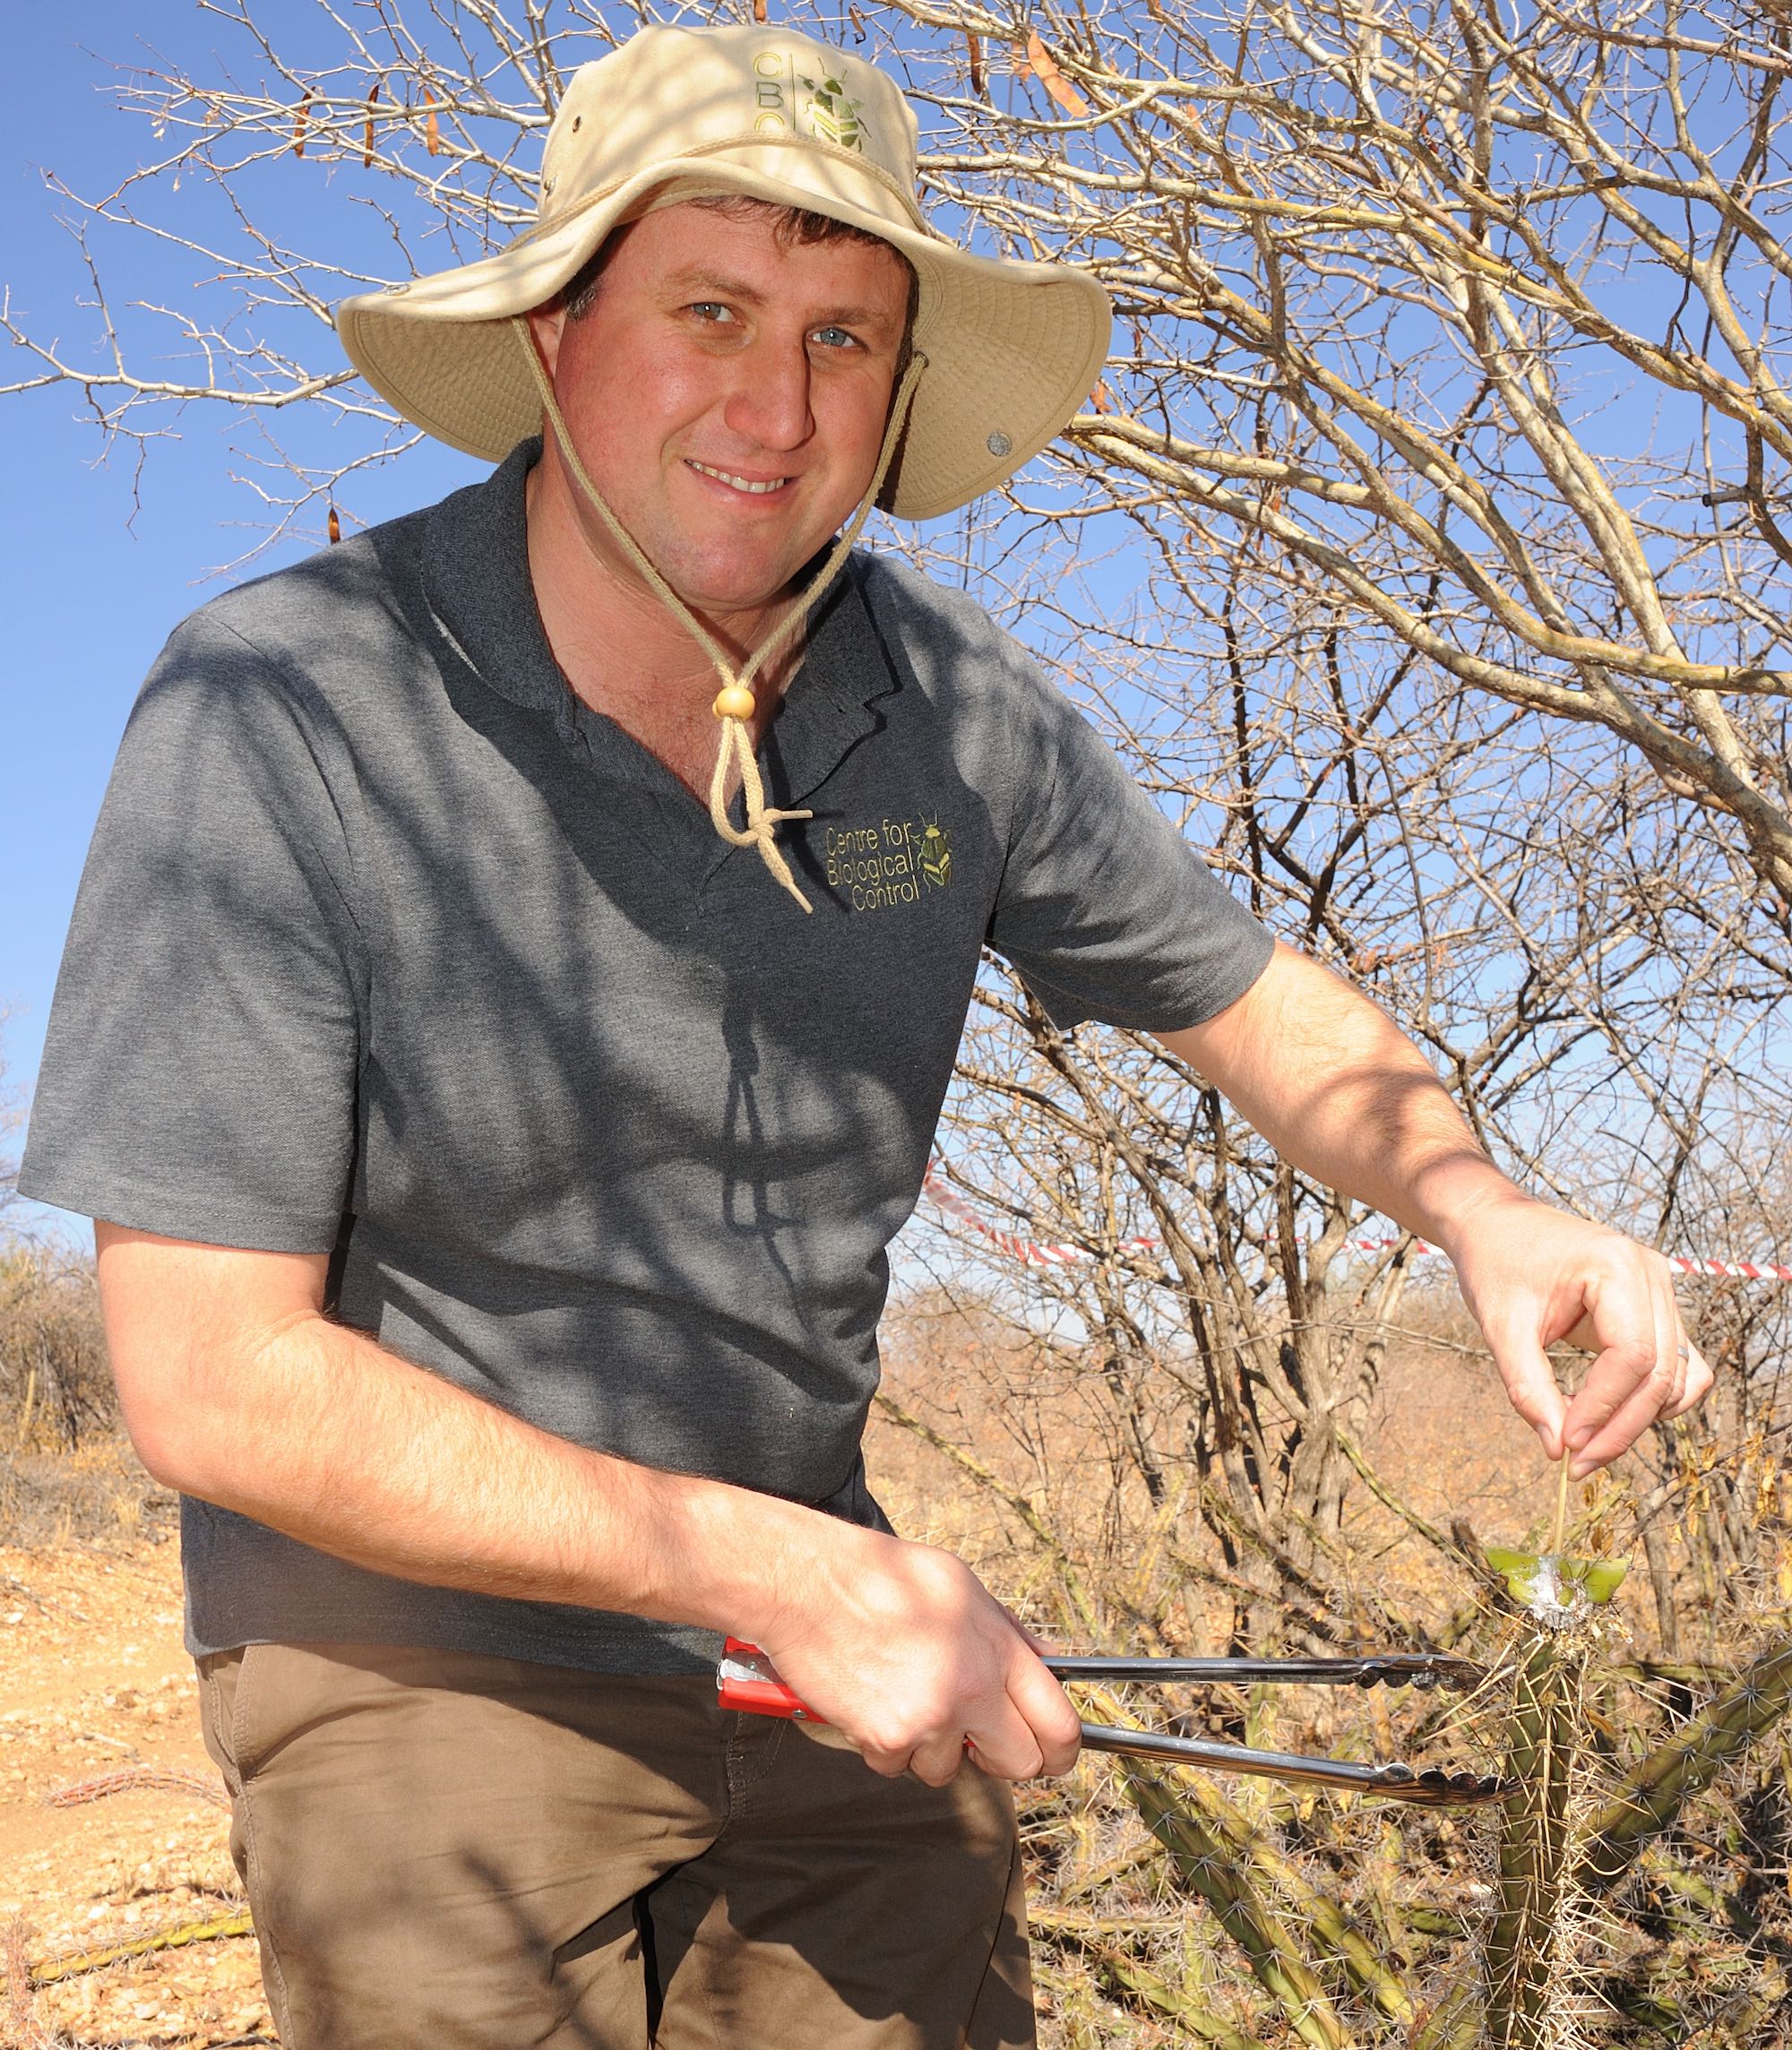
(734, 704)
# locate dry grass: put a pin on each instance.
(67, 1475)
(96, 1495)
(55, 1389)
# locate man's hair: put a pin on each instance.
(794, 227)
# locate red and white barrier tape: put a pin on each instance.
(1031, 1252)
(1028, 1251)
(1682, 1263)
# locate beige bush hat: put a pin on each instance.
(1012, 348)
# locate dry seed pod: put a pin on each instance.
(333, 527)
(367, 132)
(300, 122)
(1052, 78)
(432, 134)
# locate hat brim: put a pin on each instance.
(1012, 349)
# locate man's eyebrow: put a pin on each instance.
(693, 278)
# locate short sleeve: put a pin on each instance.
(1105, 909)
(199, 1072)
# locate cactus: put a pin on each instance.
(1524, 1945)
(1202, 1858)
(1526, 1955)
(1655, 1791)
(1339, 1958)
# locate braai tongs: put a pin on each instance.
(747, 1679)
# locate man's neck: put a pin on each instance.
(623, 651)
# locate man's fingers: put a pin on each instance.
(1032, 1731)
(938, 1761)
(888, 1764)
(1665, 1390)
(1534, 1278)
(1530, 1381)
(1698, 1384)
(1052, 1722)
(1010, 1754)
(915, 1659)
(1028, 1730)
(1001, 1745)
(1641, 1372)
(1621, 1429)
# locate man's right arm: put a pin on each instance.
(237, 1389)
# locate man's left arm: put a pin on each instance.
(1340, 1092)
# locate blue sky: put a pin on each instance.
(88, 593)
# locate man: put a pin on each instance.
(499, 1058)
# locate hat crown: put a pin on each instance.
(671, 92)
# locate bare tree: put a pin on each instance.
(1228, 1315)
(364, 143)
(1474, 318)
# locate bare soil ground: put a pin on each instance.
(94, 1684)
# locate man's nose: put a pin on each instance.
(770, 403)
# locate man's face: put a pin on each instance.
(728, 395)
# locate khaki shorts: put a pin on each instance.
(449, 1852)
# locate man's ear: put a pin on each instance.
(546, 325)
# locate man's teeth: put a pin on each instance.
(739, 483)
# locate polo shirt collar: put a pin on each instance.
(475, 574)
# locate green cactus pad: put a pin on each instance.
(1557, 1577)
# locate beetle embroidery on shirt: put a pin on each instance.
(935, 854)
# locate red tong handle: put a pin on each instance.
(747, 1679)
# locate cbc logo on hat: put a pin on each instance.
(789, 103)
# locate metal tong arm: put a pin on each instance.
(1369, 1669)
(1391, 1782)
(747, 1679)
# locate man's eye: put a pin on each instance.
(835, 338)
(709, 310)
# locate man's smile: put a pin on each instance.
(758, 486)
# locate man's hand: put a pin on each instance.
(1534, 1277)
(904, 1650)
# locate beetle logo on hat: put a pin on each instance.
(787, 101)
(832, 116)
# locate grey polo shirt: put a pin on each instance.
(388, 945)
